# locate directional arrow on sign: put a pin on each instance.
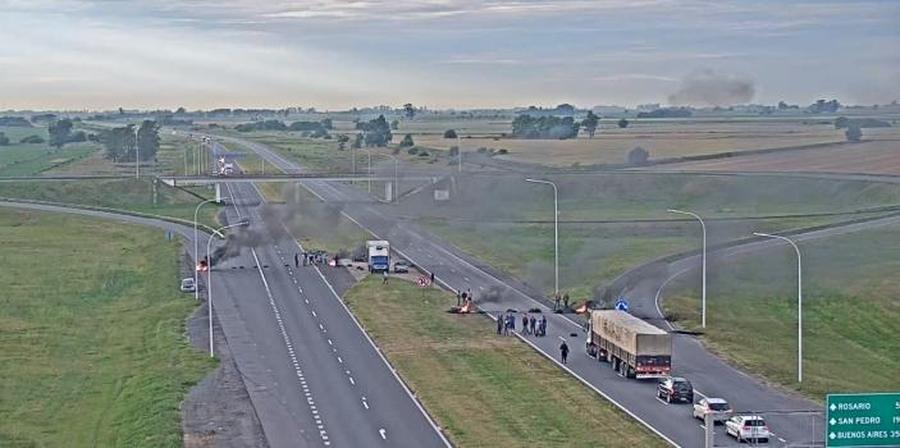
(833, 407)
(831, 436)
(832, 421)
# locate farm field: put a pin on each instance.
(92, 344)
(663, 139)
(876, 156)
(491, 390)
(21, 159)
(851, 314)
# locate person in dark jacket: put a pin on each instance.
(501, 321)
(564, 352)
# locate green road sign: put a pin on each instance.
(862, 420)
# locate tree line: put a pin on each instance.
(124, 143)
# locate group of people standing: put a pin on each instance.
(308, 258)
(506, 323)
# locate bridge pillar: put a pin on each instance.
(218, 193)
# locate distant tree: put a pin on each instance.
(454, 151)
(450, 133)
(623, 123)
(148, 139)
(4, 140)
(590, 123)
(60, 132)
(638, 156)
(853, 134)
(180, 111)
(841, 122)
(822, 106)
(342, 140)
(328, 124)
(407, 141)
(121, 111)
(545, 127)
(565, 109)
(78, 136)
(409, 111)
(32, 140)
(357, 141)
(119, 143)
(377, 132)
(395, 124)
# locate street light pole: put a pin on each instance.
(369, 171)
(799, 300)
(703, 258)
(209, 300)
(555, 228)
(459, 151)
(197, 249)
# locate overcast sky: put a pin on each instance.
(443, 53)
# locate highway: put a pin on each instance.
(672, 422)
(313, 375)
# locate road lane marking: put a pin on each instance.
(383, 433)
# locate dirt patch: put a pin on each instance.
(218, 412)
(874, 156)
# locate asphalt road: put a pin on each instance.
(313, 375)
(672, 422)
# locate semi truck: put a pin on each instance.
(634, 348)
(379, 255)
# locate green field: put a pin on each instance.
(20, 159)
(851, 314)
(92, 344)
(485, 390)
(127, 194)
(486, 219)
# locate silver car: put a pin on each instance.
(718, 408)
(188, 285)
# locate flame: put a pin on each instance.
(582, 309)
(467, 307)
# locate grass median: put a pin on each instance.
(92, 344)
(483, 389)
(851, 316)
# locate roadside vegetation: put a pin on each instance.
(92, 344)
(851, 315)
(127, 194)
(483, 389)
(510, 226)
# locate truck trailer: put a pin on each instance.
(379, 255)
(634, 348)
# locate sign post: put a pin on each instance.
(862, 420)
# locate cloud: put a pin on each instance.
(708, 88)
(633, 77)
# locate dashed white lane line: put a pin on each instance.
(340, 360)
(314, 313)
(351, 381)
(383, 433)
(364, 402)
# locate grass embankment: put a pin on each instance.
(593, 253)
(92, 345)
(22, 159)
(127, 194)
(484, 389)
(851, 315)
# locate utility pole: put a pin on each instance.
(555, 229)
(799, 300)
(703, 257)
(137, 156)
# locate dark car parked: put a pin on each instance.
(673, 388)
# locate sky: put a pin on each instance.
(330, 54)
